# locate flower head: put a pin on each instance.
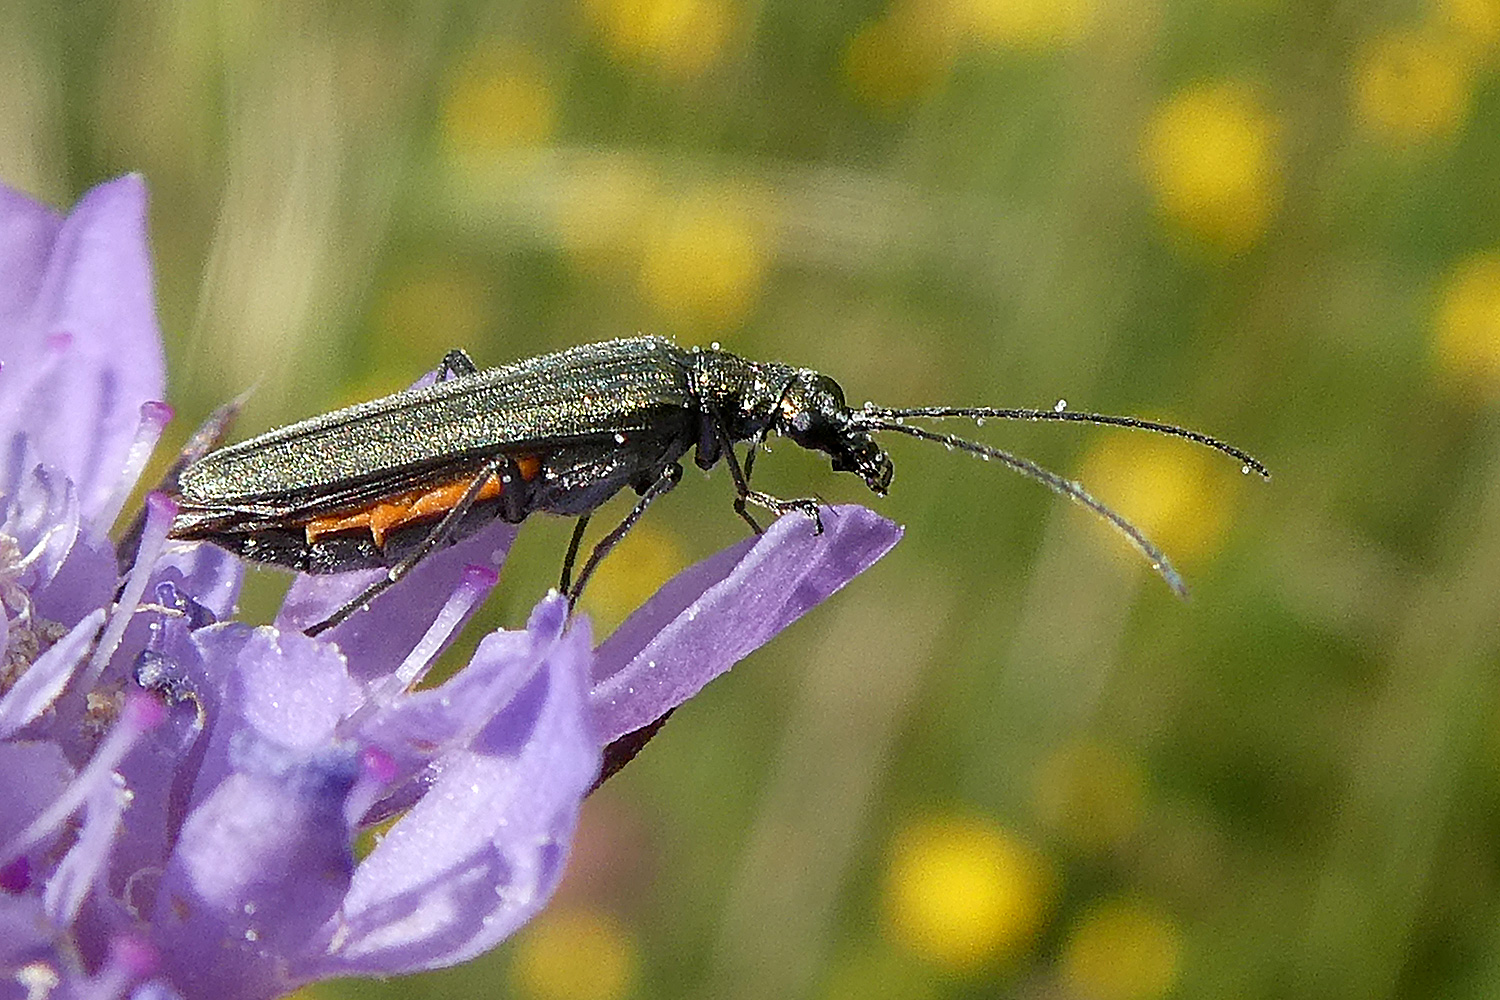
(180, 793)
(1210, 156)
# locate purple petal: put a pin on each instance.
(714, 614)
(86, 580)
(82, 351)
(422, 725)
(23, 937)
(162, 770)
(31, 776)
(130, 959)
(260, 867)
(67, 569)
(377, 640)
(206, 573)
(481, 853)
(27, 231)
(300, 709)
(141, 713)
(160, 510)
(313, 597)
(277, 687)
(82, 868)
(39, 509)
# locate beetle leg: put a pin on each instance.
(671, 475)
(741, 490)
(572, 556)
(454, 364)
(805, 505)
(750, 454)
(740, 476)
(742, 494)
(440, 535)
(776, 505)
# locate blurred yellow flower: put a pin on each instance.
(1210, 157)
(575, 954)
(896, 59)
(1122, 951)
(1091, 794)
(1412, 85)
(1466, 326)
(498, 102)
(705, 259)
(1026, 24)
(636, 568)
(963, 892)
(678, 37)
(1180, 496)
(1476, 21)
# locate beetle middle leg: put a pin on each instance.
(671, 475)
(572, 556)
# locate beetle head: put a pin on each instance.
(812, 412)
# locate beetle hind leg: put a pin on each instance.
(440, 535)
(455, 363)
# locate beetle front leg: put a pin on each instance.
(745, 495)
(742, 484)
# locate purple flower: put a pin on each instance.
(180, 794)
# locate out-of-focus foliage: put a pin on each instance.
(1006, 762)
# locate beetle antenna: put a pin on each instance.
(1052, 481)
(1248, 462)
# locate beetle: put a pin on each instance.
(384, 483)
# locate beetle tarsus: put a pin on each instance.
(810, 506)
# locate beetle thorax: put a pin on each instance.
(745, 395)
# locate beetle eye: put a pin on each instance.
(827, 387)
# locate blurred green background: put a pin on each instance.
(1005, 762)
